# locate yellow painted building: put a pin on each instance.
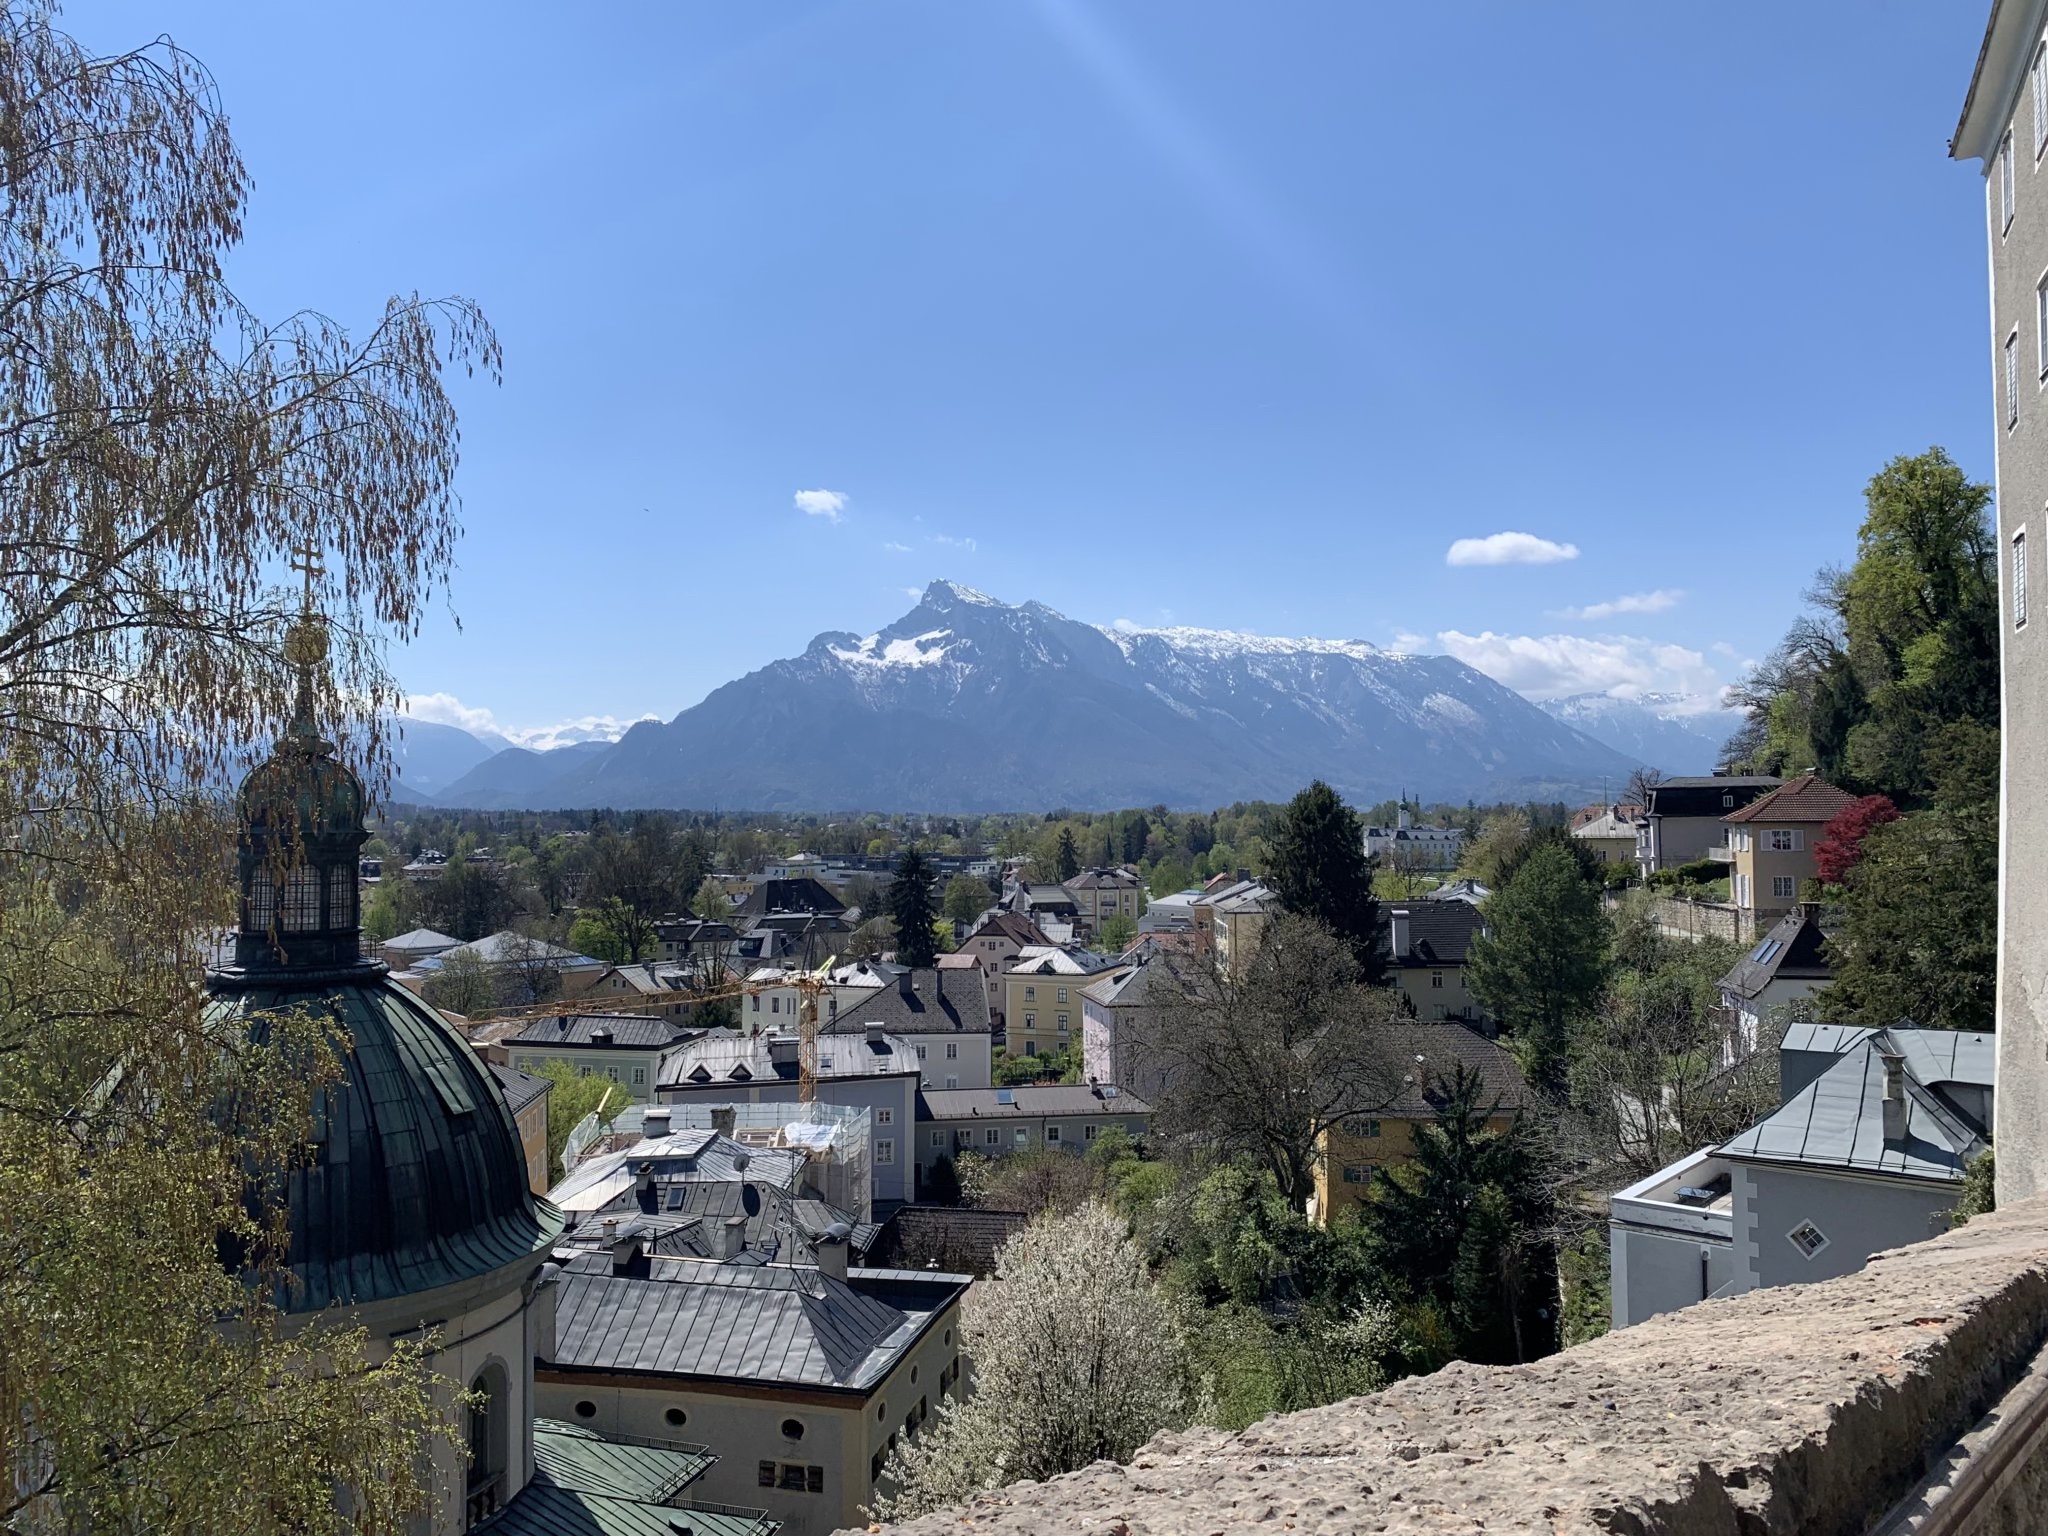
(1042, 997)
(1381, 1138)
(1771, 849)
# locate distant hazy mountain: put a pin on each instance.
(1661, 729)
(429, 757)
(969, 704)
(518, 777)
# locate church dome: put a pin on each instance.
(417, 1178)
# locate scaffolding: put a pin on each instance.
(835, 1140)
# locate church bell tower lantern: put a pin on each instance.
(301, 818)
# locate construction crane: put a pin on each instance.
(808, 985)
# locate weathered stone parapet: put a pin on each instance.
(1811, 1409)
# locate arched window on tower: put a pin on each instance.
(300, 910)
(489, 1427)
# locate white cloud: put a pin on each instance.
(1660, 601)
(913, 592)
(1510, 549)
(1125, 626)
(826, 504)
(446, 709)
(952, 543)
(896, 549)
(1553, 666)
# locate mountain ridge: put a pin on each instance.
(970, 704)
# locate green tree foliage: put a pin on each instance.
(1541, 962)
(1901, 645)
(1585, 1276)
(164, 450)
(574, 1096)
(1116, 934)
(1319, 869)
(1917, 933)
(469, 899)
(967, 897)
(1066, 861)
(912, 909)
(1463, 1230)
(1980, 1188)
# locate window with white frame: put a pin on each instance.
(1785, 887)
(885, 1117)
(1089, 1132)
(2019, 579)
(885, 1153)
(2040, 82)
(1742, 890)
(920, 1053)
(938, 1138)
(1023, 1136)
(952, 1079)
(952, 1050)
(1786, 840)
(2012, 380)
(1052, 1134)
(992, 1136)
(2007, 194)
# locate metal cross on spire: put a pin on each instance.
(305, 642)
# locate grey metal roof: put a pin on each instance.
(684, 1157)
(585, 1461)
(628, 1031)
(723, 1059)
(679, 1219)
(1053, 1100)
(774, 1323)
(1837, 1121)
(942, 1002)
(1794, 949)
(418, 1178)
(520, 1088)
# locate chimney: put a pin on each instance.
(654, 1123)
(1399, 921)
(830, 1247)
(729, 1238)
(600, 1037)
(907, 982)
(723, 1119)
(1894, 1097)
(781, 1051)
(875, 1040)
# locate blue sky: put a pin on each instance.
(1168, 311)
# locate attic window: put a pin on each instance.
(1807, 1238)
(698, 1074)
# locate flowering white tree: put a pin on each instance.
(1077, 1360)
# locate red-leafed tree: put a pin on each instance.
(1841, 840)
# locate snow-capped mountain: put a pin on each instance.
(1671, 731)
(970, 704)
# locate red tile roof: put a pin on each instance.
(1806, 798)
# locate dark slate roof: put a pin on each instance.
(520, 1088)
(628, 1031)
(1443, 1046)
(418, 1178)
(1703, 796)
(1054, 1100)
(1014, 926)
(769, 1323)
(1837, 1121)
(1794, 949)
(1808, 798)
(956, 1237)
(802, 894)
(942, 1002)
(1103, 879)
(1439, 932)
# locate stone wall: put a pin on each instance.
(1821, 1409)
(1684, 919)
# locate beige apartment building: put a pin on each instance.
(1042, 997)
(1770, 849)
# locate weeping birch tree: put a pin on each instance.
(164, 454)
